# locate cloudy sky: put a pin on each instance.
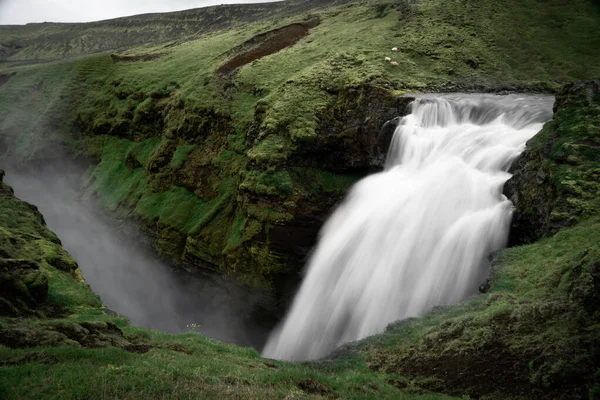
(24, 11)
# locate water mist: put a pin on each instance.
(416, 235)
(128, 277)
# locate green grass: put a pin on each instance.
(180, 155)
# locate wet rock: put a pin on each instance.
(485, 286)
(23, 337)
(348, 138)
(32, 357)
(22, 287)
(387, 133)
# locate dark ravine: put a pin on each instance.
(116, 260)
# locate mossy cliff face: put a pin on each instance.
(41, 287)
(556, 181)
(249, 203)
(25, 243)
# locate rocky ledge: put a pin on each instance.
(556, 181)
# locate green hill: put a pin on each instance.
(255, 120)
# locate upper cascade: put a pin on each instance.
(418, 234)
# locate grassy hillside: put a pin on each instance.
(254, 158)
(49, 41)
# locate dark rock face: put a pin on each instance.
(555, 181)
(22, 285)
(351, 136)
(352, 140)
(25, 246)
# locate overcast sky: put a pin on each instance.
(25, 11)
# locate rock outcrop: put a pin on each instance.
(556, 180)
(26, 243)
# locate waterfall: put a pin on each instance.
(418, 234)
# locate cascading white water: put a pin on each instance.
(418, 234)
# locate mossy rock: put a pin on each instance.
(555, 181)
(23, 287)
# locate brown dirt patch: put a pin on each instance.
(141, 57)
(137, 348)
(179, 348)
(265, 44)
(310, 385)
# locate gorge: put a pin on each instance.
(185, 163)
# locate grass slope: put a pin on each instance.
(34, 43)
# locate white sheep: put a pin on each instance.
(394, 49)
(394, 64)
(388, 59)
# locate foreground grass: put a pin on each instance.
(188, 366)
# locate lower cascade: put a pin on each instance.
(418, 234)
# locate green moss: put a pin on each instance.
(270, 150)
(311, 181)
(237, 142)
(268, 183)
(113, 180)
(144, 150)
(180, 155)
(274, 183)
(236, 236)
(269, 214)
(178, 208)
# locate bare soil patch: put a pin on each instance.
(266, 44)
